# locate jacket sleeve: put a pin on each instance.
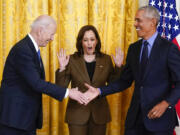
(124, 80)
(63, 78)
(28, 70)
(174, 69)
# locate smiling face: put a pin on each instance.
(145, 26)
(89, 42)
(46, 34)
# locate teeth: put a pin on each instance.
(137, 28)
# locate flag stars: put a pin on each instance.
(164, 25)
(169, 36)
(165, 5)
(169, 26)
(158, 25)
(152, 3)
(171, 6)
(170, 16)
(176, 27)
(176, 18)
(159, 4)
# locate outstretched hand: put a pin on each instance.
(63, 59)
(118, 57)
(77, 95)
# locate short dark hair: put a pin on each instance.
(80, 37)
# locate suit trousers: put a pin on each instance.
(90, 128)
(140, 129)
(5, 130)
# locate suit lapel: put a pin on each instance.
(98, 69)
(41, 66)
(80, 66)
(137, 56)
(155, 54)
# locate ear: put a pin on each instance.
(154, 22)
(40, 30)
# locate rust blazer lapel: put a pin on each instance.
(98, 69)
(80, 66)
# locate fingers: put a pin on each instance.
(82, 99)
(62, 52)
(78, 96)
(88, 86)
(114, 57)
(152, 114)
(118, 57)
(157, 111)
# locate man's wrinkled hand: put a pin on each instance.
(91, 93)
(78, 96)
(158, 110)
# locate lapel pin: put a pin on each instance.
(100, 66)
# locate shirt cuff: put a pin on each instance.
(67, 93)
(99, 91)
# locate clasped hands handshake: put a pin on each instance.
(86, 97)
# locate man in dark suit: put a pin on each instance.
(24, 82)
(154, 64)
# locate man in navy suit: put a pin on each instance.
(153, 63)
(24, 82)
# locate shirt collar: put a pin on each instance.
(34, 42)
(152, 39)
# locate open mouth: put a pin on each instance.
(138, 29)
(89, 48)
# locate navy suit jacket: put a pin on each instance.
(22, 87)
(163, 71)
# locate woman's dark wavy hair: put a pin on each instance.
(80, 38)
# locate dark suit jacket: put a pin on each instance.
(76, 72)
(163, 71)
(22, 87)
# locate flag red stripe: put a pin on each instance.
(178, 108)
(175, 42)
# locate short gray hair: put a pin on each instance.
(43, 20)
(151, 12)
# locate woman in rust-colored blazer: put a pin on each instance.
(87, 65)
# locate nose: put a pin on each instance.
(89, 42)
(135, 23)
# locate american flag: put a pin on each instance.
(169, 25)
